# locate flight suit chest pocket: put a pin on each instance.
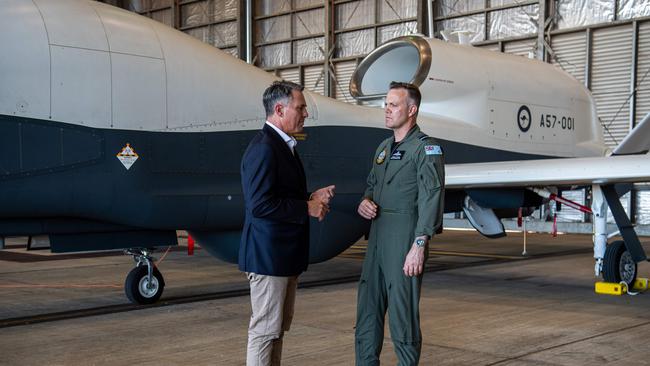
(405, 174)
(395, 171)
(408, 175)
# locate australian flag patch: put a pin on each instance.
(432, 150)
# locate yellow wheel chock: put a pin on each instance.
(609, 288)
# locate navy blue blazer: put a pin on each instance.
(275, 238)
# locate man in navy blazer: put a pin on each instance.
(274, 247)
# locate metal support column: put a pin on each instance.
(541, 28)
(430, 18)
(176, 14)
(422, 16)
(588, 58)
(633, 76)
(246, 29)
(328, 67)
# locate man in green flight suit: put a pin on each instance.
(404, 200)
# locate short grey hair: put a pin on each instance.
(413, 91)
(279, 91)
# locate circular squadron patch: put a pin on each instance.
(381, 157)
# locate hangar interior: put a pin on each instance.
(604, 44)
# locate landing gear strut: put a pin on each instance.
(618, 262)
(145, 283)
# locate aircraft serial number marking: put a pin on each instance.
(553, 121)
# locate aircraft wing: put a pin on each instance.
(637, 140)
(550, 172)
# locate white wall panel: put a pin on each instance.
(566, 213)
(343, 73)
(274, 55)
(315, 79)
(453, 7)
(570, 53)
(397, 9)
(309, 22)
(643, 72)
(355, 43)
(610, 83)
(492, 47)
(309, 50)
(523, 48)
(354, 14)
(389, 32)
(642, 207)
(290, 75)
(165, 16)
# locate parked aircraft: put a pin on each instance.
(116, 130)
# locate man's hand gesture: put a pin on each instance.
(318, 204)
(367, 209)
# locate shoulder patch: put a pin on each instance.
(432, 150)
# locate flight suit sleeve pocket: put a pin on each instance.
(429, 176)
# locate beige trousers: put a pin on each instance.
(272, 303)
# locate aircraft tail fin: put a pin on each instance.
(637, 141)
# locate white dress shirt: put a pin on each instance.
(289, 140)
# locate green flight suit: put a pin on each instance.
(407, 184)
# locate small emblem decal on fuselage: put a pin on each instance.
(524, 118)
(127, 156)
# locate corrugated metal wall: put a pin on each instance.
(525, 48)
(343, 71)
(290, 75)
(314, 79)
(569, 53)
(643, 72)
(610, 80)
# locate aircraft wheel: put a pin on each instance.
(618, 264)
(139, 290)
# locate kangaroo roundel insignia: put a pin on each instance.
(524, 118)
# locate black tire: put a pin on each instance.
(136, 282)
(618, 264)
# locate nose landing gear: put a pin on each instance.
(145, 283)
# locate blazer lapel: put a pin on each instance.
(292, 157)
(278, 140)
(301, 168)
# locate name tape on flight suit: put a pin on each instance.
(398, 155)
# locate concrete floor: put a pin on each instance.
(502, 310)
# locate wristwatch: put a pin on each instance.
(420, 243)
